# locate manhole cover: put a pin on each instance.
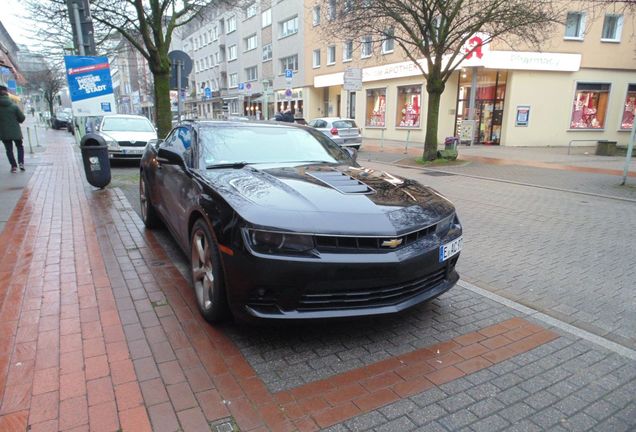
(438, 173)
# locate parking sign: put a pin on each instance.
(289, 73)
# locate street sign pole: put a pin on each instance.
(265, 102)
(178, 65)
(78, 25)
(630, 149)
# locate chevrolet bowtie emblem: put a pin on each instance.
(393, 243)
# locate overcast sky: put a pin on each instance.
(13, 22)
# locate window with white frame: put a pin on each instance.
(316, 58)
(251, 73)
(196, 43)
(288, 27)
(231, 53)
(230, 24)
(207, 62)
(575, 25)
(315, 15)
(249, 43)
(215, 33)
(267, 52)
(217, 58)
(266, 18)
(233, 106)
(347, 50)
(250, 11)
(612, 28)
(331, 54)
(211, 60)
(366, 48)
(233, 80)
(331, 10)
(211, 35)
(290, 62)
(205, 38)
(388, 42)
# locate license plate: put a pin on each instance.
(450, 249)
(132, 151)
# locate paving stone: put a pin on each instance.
(457, 420)
(456, 402)
(365, 421)
(397, 409)
(428, 397)
(399, 424)
(424, 416)
(485, 407)
(490, 424)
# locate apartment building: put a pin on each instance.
(241, 57)
(579, 88)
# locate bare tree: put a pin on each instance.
(438, 31)
(148, 25)
(48, 82)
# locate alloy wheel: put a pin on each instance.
(202, 270)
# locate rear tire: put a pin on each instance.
(148, 212)
(207, 275)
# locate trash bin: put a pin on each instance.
(451, 143)
(95, 158)
(605, 148)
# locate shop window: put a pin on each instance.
(590, 106)
(629, 109)
(574, 25)
(409, 106)
(376, 108)
(612, 27)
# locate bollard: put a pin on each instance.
(37, 138)
(406, 144)
(382, 140)
(29, 138)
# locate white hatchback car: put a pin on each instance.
(126, 135)
(343, 132)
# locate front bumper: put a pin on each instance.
(338, 285)
(126, 153)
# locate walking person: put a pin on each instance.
(10, 118)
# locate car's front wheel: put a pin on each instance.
(148, 212)
(207, 276)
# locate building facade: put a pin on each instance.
(580, 88)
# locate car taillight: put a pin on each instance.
(334, 131)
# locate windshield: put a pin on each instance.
(266, 144)
(127, 124)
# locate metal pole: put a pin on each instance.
(406, 144)
(37, 138)
(382, 140)
(628, 157)
(178, 65)
(29, 139)
(78, 26)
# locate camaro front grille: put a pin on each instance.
(132, 143)
(327, 299)
(341, 244)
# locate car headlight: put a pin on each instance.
(273, 242)
(112, 144)
(445, 224)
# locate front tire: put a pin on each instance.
(207, 275)
(148, 212)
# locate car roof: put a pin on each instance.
(125, 116)
(239, 123)
(332, 119)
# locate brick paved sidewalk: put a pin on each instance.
(99, 331)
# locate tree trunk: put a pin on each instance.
(163, 112)
(434, 88)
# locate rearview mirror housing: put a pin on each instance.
(169, 158)
(353, 153)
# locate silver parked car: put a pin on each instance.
(343, 132)
(126, 135)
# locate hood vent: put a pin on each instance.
(341, 182)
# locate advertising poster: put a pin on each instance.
(90, 85)
(523, 115)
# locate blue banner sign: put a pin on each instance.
(90, 85)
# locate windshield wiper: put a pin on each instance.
(236, 165)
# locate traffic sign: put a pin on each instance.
(241, 86)
(288, 93)
(248, 86)
(353, 79)
(289, 73)
(208, 92)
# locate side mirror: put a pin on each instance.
(353, 153)
(155, 142)
(169, 158)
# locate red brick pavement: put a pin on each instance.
(100, 331)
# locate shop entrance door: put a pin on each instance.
(489, 102)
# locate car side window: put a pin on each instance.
(180, 141)
(322, 124)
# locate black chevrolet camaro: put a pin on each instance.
(281, 223)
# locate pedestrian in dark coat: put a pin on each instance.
(10, 118)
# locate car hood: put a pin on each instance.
(128, 135)
(329, 199)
